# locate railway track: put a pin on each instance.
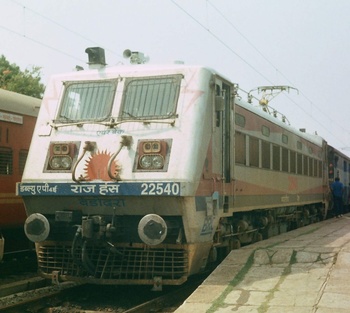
(31, 295)
(36, 295)
(18, 265)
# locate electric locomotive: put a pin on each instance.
(144, 174)
(17, 120)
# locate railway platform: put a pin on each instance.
(303, 271)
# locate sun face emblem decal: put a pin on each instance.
(96, 167)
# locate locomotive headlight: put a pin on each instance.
(152, 161)
(157, 161)
(61, 162)
(146, 161)
(55, 162)
(66, 162)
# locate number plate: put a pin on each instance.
(101, 189)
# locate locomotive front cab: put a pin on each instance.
(115, 165)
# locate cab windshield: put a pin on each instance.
(89, 100)
(150, 97)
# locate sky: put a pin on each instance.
(304, 44)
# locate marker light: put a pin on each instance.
(151, 147)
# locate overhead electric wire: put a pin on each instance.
(40, 43)
(221, 41)
(256, 70)
(276, 69)
(59, 25)
(216, 37)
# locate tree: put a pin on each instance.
(25, 82)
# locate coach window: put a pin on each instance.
(253, 151)
(276, 158)
(6, 161)
(151, 97)
(299, 164)
(240, 148)
(265, 155)
(285, 160)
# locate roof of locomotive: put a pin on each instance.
(108, 72)
(18, 103)
(151, 69)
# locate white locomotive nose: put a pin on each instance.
(152, 229)
(37, 227)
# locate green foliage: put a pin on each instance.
(25, 82)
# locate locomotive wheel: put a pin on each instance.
(257, 237)
(234, 244)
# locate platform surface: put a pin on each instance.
(303, 271)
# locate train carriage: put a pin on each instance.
(139, 174)
(339, 166)
(17, 120)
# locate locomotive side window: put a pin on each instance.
(285, 160)
(320, 169)
(240, 120)
(253, 151)
(299, 164)
(89, 100)
(265, 155)
(311, 167)
(150, 97)
(6, 161)
(265, 131)
(240, 149)
(285, 139)
(293, 163)
(276, 157)
(306, 165)
(315, 168)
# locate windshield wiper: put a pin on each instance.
(112, 123)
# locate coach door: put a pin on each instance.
(222, 143)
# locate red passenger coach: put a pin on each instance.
(18, 115)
